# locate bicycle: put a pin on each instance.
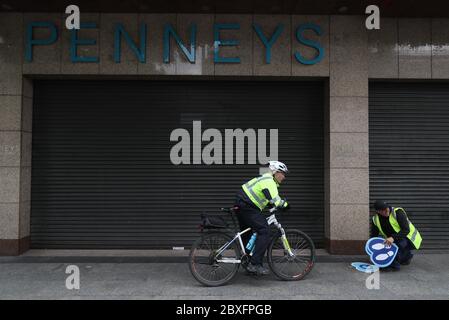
(216, 256)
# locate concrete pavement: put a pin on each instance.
(426, 278)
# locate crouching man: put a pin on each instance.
(393, 225)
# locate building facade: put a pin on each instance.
(87, 121)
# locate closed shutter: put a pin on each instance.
(102, 175)
(409, 154)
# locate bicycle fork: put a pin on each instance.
(272, 220)
(285, 243)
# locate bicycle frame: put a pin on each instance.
(271, 220)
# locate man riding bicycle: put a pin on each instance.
(252, 198)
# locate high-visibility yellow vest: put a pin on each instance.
(414, 236)
(254, 187)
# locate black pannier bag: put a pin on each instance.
(212, 222)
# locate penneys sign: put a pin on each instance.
(188, 47)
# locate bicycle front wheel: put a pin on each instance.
(293, 267)
(208, 268)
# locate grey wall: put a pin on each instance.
(15, 138)
(402, 49)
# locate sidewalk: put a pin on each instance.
(134, 256)
(426, 278)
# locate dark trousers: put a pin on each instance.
(404, 253)
(251, 217)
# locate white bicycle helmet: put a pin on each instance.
(276, 166)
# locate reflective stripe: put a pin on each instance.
(412, 239)
(249, 187)
(410, 225)
(406, 217)
(257, 181)
(259, 201)
(273, 201)
(377, 224)
(281, 202)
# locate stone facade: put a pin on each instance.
(402, 49)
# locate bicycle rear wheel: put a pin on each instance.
(204, 264)
(296, 267)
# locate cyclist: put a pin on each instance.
(252, 198)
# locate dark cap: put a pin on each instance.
(380, 205)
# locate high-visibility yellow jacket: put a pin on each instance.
(414, 236)
(264, 190)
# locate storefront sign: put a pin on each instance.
(188, 47)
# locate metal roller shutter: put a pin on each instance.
(409, 154)
(102, 175)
